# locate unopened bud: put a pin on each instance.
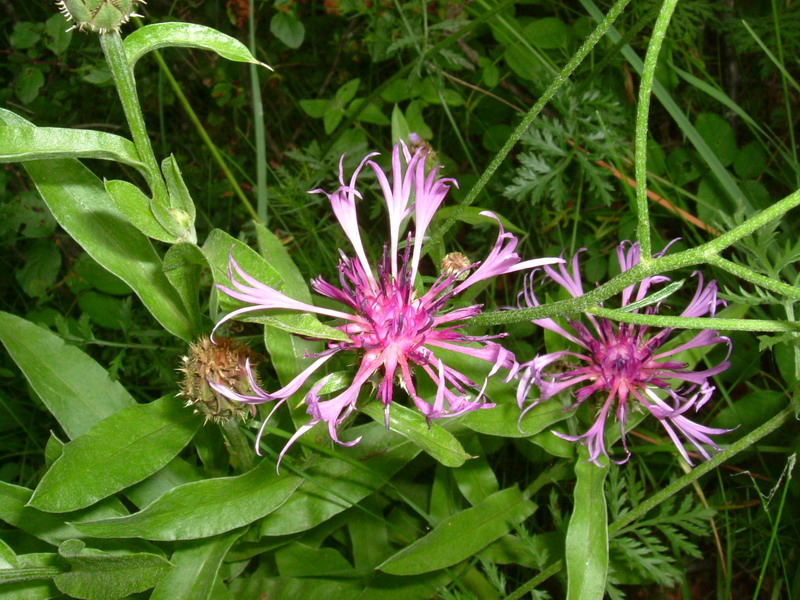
(101, 16)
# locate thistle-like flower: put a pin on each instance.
(623, 363)
(392, 324)
(101, 16)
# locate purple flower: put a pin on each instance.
(393, 324)
(623, 363)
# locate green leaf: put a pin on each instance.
(184, 264)
(25, 35)
(302, 560)
(287, 351)
(217, 249)
(463, 535)
(51, 528)
(99, 278)
(181, 204)
(42, 263)
(400, 129)
(75, 389)
(548, 33)
(314, 108)
(135, 206)
(331, 119)
(24, 143)
(587, 535)
(197, 565)
(81, 206)
(203, 508)
(347, 92)
(29, 81)
(719, 136)
(471, 215)
(98, 575)
(118, 452)
(57, 38)
(503, 419)
(185, 35)
(433, 439)
(32, 574)
(371, 113)
(333, 484)
(287, 28)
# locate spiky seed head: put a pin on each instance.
(101, 16)
(454, 264)
(224, 363)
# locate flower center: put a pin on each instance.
(620, 359)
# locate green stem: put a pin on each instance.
(117, 60)
(205, 137)
(785, 289)
(531, 584)
(695, 322)
(618, 526)
(558, 81)
(642, 113)
(28, 574)
(258, 125)
(240, 447)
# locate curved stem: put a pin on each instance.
(642, 113)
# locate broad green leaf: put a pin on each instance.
(197, 565)
(24, 143)
(117, 452)
(471, 215)
(32, 574)
(42, 264)
(719, 136)
(75, 389)
(333, 485)
(80, 204)
(287, 28)
(503, 419)
(135, 205)
(203, 508)
(184, 264)
(587, 535)
(301, 560)
(547, 33)
(347, 92)
(287, 351)
(433, 439)
(218, 248)
(29, 81)
(314, 108)
(57, 38)
(176, 473)
(475, 478)
(462, 535)
(96, 575)
(186, 35)
(51, 528)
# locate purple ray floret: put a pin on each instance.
(624, 365)
(393, 325)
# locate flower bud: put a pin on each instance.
(222, 363)
(101, 16)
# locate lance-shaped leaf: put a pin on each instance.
(187, 35)
(197, 565)
(587, 535)
(96, 575)
(433, 439)
(118, 452)
(203, 508)
(51, 528)
(217, 249)
(462, 535)
(135, 206)
(20, 144)
(334, 485)
(76, 390)
(80, 204)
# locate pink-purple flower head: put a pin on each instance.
(623, 365)
(394, 325)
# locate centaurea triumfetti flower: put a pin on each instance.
(624, 365)
(394, 326)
